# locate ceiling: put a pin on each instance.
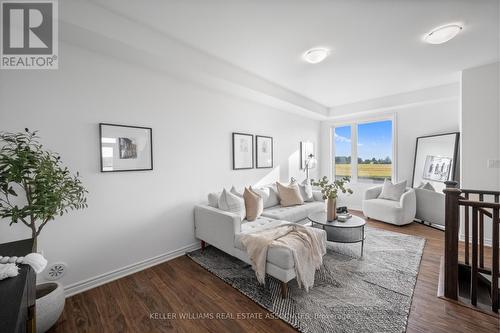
(376, 44)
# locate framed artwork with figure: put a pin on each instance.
(125, 148)
(242, 151)
(436, 159)
(264, 148)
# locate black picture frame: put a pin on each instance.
(150, 138)
(257, 137)
(239, 167)
(454, 174)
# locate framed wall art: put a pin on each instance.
(125, 148)
(264, 148)
(242, 151)
(306, 149)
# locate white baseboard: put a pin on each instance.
(487, 241)
(95, 281)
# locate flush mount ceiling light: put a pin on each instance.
(316, 55)
(443, 33)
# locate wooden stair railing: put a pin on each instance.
(474, 256)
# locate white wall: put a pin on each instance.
(134, 216)
(480, 125)
(440, 115)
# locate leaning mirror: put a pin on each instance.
(436, 160)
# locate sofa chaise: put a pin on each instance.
(223, 230)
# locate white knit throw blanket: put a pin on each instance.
(308, 245)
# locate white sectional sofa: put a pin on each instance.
(223, 230)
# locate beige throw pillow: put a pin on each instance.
(289, 195)
(254, 205)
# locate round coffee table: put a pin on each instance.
(350, 231)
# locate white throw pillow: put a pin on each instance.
(232, 203)
(269, 195)
(213, 199)
(306, 191)
(392, 191)
(426, 186)
(234, 191)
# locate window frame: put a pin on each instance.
(354, 122)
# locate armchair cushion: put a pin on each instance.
(392, 191)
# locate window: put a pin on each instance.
(342, 151)
(363, 151)
(375, 151)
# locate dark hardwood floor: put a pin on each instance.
(154, 300)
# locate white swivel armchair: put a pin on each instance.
(395, 212)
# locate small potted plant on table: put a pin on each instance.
(330, 192)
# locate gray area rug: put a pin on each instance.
(350, 294)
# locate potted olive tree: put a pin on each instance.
(330, 190)
(35, 188)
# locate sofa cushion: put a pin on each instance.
(276, 255)
(254, 205)
(293, 213)
(426, 186)
(213, 199)
(237, 193)
(261, 223)
(232, 203)
(306, 191)
(269, 194)
(289, 195)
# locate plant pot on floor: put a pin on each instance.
(49, 305)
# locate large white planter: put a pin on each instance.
(49, 305)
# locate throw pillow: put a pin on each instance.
(262, 191)
(317, 196)
(213, 199)
(392, 191)
(232, 203)
(234, 191)
(306, 191)
(289, 195)
(254, 205)
(269, 195)
(427, 186)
